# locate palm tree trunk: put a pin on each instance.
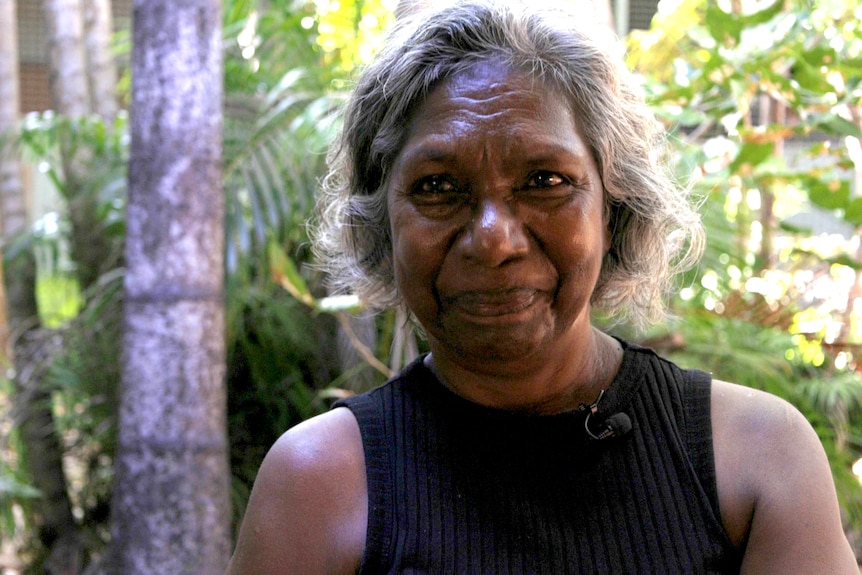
(65, 19)
(12, 209)
(13, 215)
(170, 509)
(73, 100)
(770, 109)
(101, 72)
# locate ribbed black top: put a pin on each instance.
(455, 487)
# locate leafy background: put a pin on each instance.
(762, 102)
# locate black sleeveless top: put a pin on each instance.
(455, 487)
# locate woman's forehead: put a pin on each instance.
(491, 98)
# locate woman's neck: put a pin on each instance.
(551, 383)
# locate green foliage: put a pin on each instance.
(92, 227)
(744, 85)
(708, 72)
(83, 375)
(104, 147)
(59, 299)
(265, 40)
(281, 97)
(85, 378)
(271, 356)
(274, 157)
(15, 492)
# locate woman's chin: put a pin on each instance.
(498, 338)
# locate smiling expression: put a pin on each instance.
(497, 216)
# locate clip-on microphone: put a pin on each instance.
(615, 425)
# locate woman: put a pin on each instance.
(498, 175)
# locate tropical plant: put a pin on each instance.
(274, 141)
(763, 102)
(282, 101)
(79, 330)
(284, 79)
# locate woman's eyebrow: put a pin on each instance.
(427, 152)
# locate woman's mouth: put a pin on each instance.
(492, 303)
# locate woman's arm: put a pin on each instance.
(308, 509)
(775, 486)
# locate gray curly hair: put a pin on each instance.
(655, 230)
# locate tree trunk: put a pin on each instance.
(59, 530)
(170, 510)
(65, 19)
(73, 100)
(101, 72)
(12, 209)
(13, 216)
(769, 109)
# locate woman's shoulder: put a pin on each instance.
(308, 508)
(776, 492)
(314, 449)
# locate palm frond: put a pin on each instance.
(273, 166)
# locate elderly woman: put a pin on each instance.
(498, 174)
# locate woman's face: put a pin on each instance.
(496, 208)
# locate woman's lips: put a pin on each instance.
(492, 303)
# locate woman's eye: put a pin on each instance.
(436, 189)
(544, 180)
(437, 196)
(435, 185)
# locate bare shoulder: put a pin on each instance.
(308, 509)
(775, 486)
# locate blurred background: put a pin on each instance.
(763, 104)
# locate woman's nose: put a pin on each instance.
(495, 234)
